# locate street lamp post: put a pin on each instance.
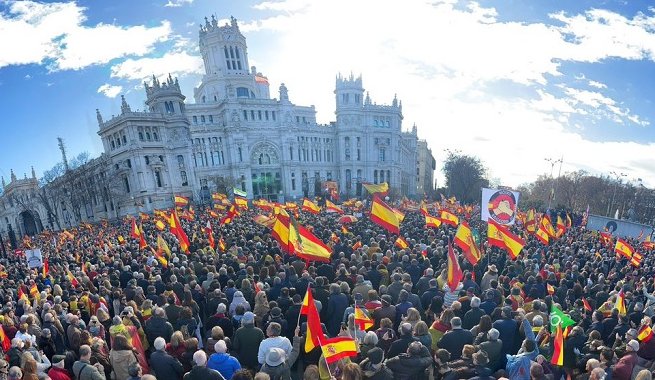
(552, 162)
(616, 185)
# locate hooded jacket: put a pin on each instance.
(224, 363)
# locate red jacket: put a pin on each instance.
(59, 374)
(623, 369)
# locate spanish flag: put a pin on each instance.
(449, 218)
(542, 236)
(160, 225)
(586, 305)
(210, 235)
(304, 244)
(6, 343)
(623, 248)
(548, 226)
(558, 347)
(550, 288)
(357, 245)
(46, 267)
(569, 222)
(645, 334)
(620, 303)
(455, 274)
(531, 223)
(431, 221)
(280, 232)
(335, 349)
(362, 320)
(512, 243)
(464, 240)
(636, 258)
(241, 202)
(310, 206)
(331, 207)
(21, 294)
(142, 239)
(647, 243)
(144, 216)
(163, 246)
(121, 239)
(561, 227)
(221, 244)
(177, 230)
(382, 188)
(181, 201)
(135, 233)
(72, 279)
(160, 256)
(401, 243)
(34, 292)
(424, 209)
(399, 215)
(314, 330)
(384, 216)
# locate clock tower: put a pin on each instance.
(225, 56)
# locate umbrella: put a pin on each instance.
(347, 219)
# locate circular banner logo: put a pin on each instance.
(501, 206)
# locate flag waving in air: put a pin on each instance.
(384, 216)
(314, 330)
(362, 320)
(623, 248)
(558, 347)
(455, 274)
(501, 237)
(465, 241)
(335, 349)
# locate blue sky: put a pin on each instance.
(512, 82)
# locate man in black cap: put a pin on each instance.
(373, 366)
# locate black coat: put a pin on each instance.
(400, 346)
(405, 367)
(158, 327)
(336, 306)
(165, 367)
(454, 341)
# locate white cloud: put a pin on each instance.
(55, 33)
(109, 90)
(27, 77)
(176, 64)
(444, 60)
(177, 3)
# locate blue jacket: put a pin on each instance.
(225, 364)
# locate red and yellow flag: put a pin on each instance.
(586, 305)
(548, 226)
(241, 202)
(142, 238)
(561, 227)
(401, 243)
(558, 347)
(310, 206)
(314, 330)
(306, 245)
(542, 235)
(465, 241)
(382, 188)
(455, 274)
(181, 201)
(177, 230)
(449, 218)
(135, 233)
(384, 216)
(162, 246)
(21, 294)
(530, 223)
(46, 268)
(550, 288)
(357, 245)
(6, 343)
(280, 232)
(210, 235)
(645, 334)
(335, 349)
(34, 292)
(623, 248)
(160, 225)
(620, 303)
(331, 207)
(431, 221)
(362, 320)
(221, 244)
(72, 279)
(636, 258)
(510, 242)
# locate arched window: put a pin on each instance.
(375, 176)
(243, 92)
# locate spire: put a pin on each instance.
(125, 108)
(395, 101)
(207, 24)
(367, 101)
(3, 182)
(233, 21)
(33, 173)
(13, 176)
(24, 175)
(99, 116)
(62, 148)
(214, 21)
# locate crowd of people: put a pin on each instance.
(106, 310)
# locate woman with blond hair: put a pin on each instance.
(28, 366)
(421, 333)
(176, 346)
(261, 308)
(413, 317)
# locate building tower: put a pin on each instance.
(349, 93)
(165, 98)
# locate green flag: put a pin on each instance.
(557, 317)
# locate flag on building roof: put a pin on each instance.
(384, 216)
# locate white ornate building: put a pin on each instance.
(235, 134)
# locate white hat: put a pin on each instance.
(633, 345)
